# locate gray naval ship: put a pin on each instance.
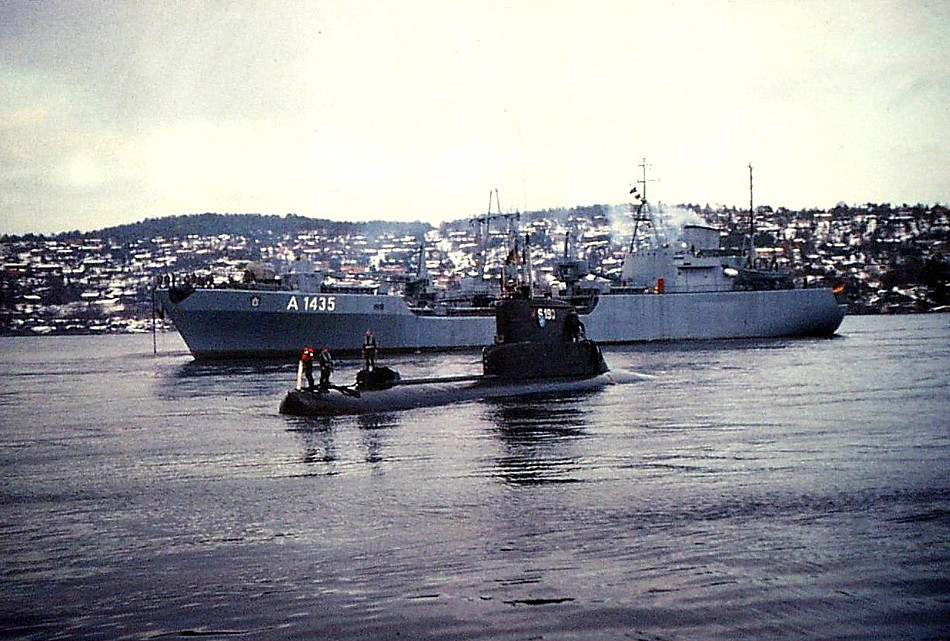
(687, 289)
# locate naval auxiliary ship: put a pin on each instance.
(689, 289)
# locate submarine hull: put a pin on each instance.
(408, 395)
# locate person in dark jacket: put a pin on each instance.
(325, 361)
(574, 327)
(369, 350)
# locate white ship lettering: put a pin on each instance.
(320, 303)
(313, 303)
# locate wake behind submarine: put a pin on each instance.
(540, 348)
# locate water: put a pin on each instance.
(743, 489)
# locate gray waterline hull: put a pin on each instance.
(234, 323)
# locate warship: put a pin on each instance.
(539, 349)
(686, 289)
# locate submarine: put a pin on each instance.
(539, 349)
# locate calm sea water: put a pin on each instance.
(741, 489)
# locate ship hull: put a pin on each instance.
(408, 396)
(231, 323)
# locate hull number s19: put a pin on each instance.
(546, 314)
(313, 304)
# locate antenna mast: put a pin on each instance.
(643, 181)
(638, 216)
(483, 229)
(751, 257)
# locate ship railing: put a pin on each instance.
(447, 310)
(169, 280)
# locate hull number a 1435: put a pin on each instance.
(312, 304)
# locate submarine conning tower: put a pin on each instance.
(540, 338)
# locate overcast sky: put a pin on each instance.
(113, 112)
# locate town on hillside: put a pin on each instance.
(890, 259)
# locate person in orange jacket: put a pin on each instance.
(306, 361)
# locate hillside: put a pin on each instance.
(247, 225)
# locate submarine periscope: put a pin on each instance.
(539, 349)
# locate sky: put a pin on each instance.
(116, 111)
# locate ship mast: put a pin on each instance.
(422, 272)
(643, 181)
(638, 215)
(483, 230)
(751, 258)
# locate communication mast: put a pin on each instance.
(751, 258)
(639, 215)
